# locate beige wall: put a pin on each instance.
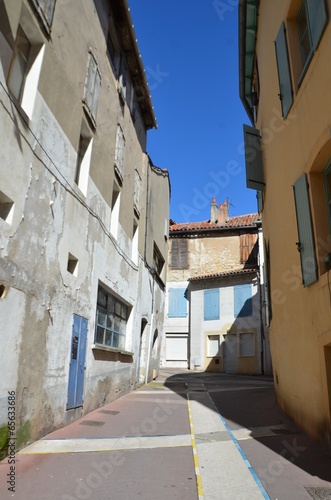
(209, 254)
(300, 326)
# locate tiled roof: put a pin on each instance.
(224, 274)
(232, 222)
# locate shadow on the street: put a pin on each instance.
(249, 402)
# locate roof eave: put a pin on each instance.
(212, 229)
(135, 64)
(223, 276)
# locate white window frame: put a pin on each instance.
(111, 321)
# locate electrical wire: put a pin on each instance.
(61, 179)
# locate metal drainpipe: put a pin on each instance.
(259, 274)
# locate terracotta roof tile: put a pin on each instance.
(232, 222)
(224, 274)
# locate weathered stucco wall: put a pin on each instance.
(53, 220)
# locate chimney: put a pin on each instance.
(213, 211)
(223, 212)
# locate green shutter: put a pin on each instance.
(317, 19)
(253, 158)
(284, 76)
(306, 244)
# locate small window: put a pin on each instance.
(45, 9)
(246, 344)
(119, 153)
(177, 306)
(72, 266)
(211, 304)
(6, 208)
(213, 346)
(111, 320)
(92, 88)
(179, 253)
(158, 260)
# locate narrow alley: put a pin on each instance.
(183, 436)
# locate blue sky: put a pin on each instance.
(190, 53)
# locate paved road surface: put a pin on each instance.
(187, 436)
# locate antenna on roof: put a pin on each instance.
(229, 205)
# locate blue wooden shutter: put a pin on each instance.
(284, 75)
(212, 304)
(177, 303)
(306, 244)
(253, 158)
(243, 300)
(317, 19)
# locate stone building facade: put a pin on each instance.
(82, 251)
(214, 293)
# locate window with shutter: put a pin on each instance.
(25, 67)
(92, 88)
(177, 307)
(317, 19)
(284, 75)
(83, 161)
(253, 158)
(179, 253)
(311, 21)
(211, 304)
(243, 306)
(246, 344)
(248, 249)
(45, 9)
(137, 190)
(306, 243)
(119, 153)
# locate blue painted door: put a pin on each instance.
(77, 362)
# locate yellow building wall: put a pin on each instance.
(300, 329)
